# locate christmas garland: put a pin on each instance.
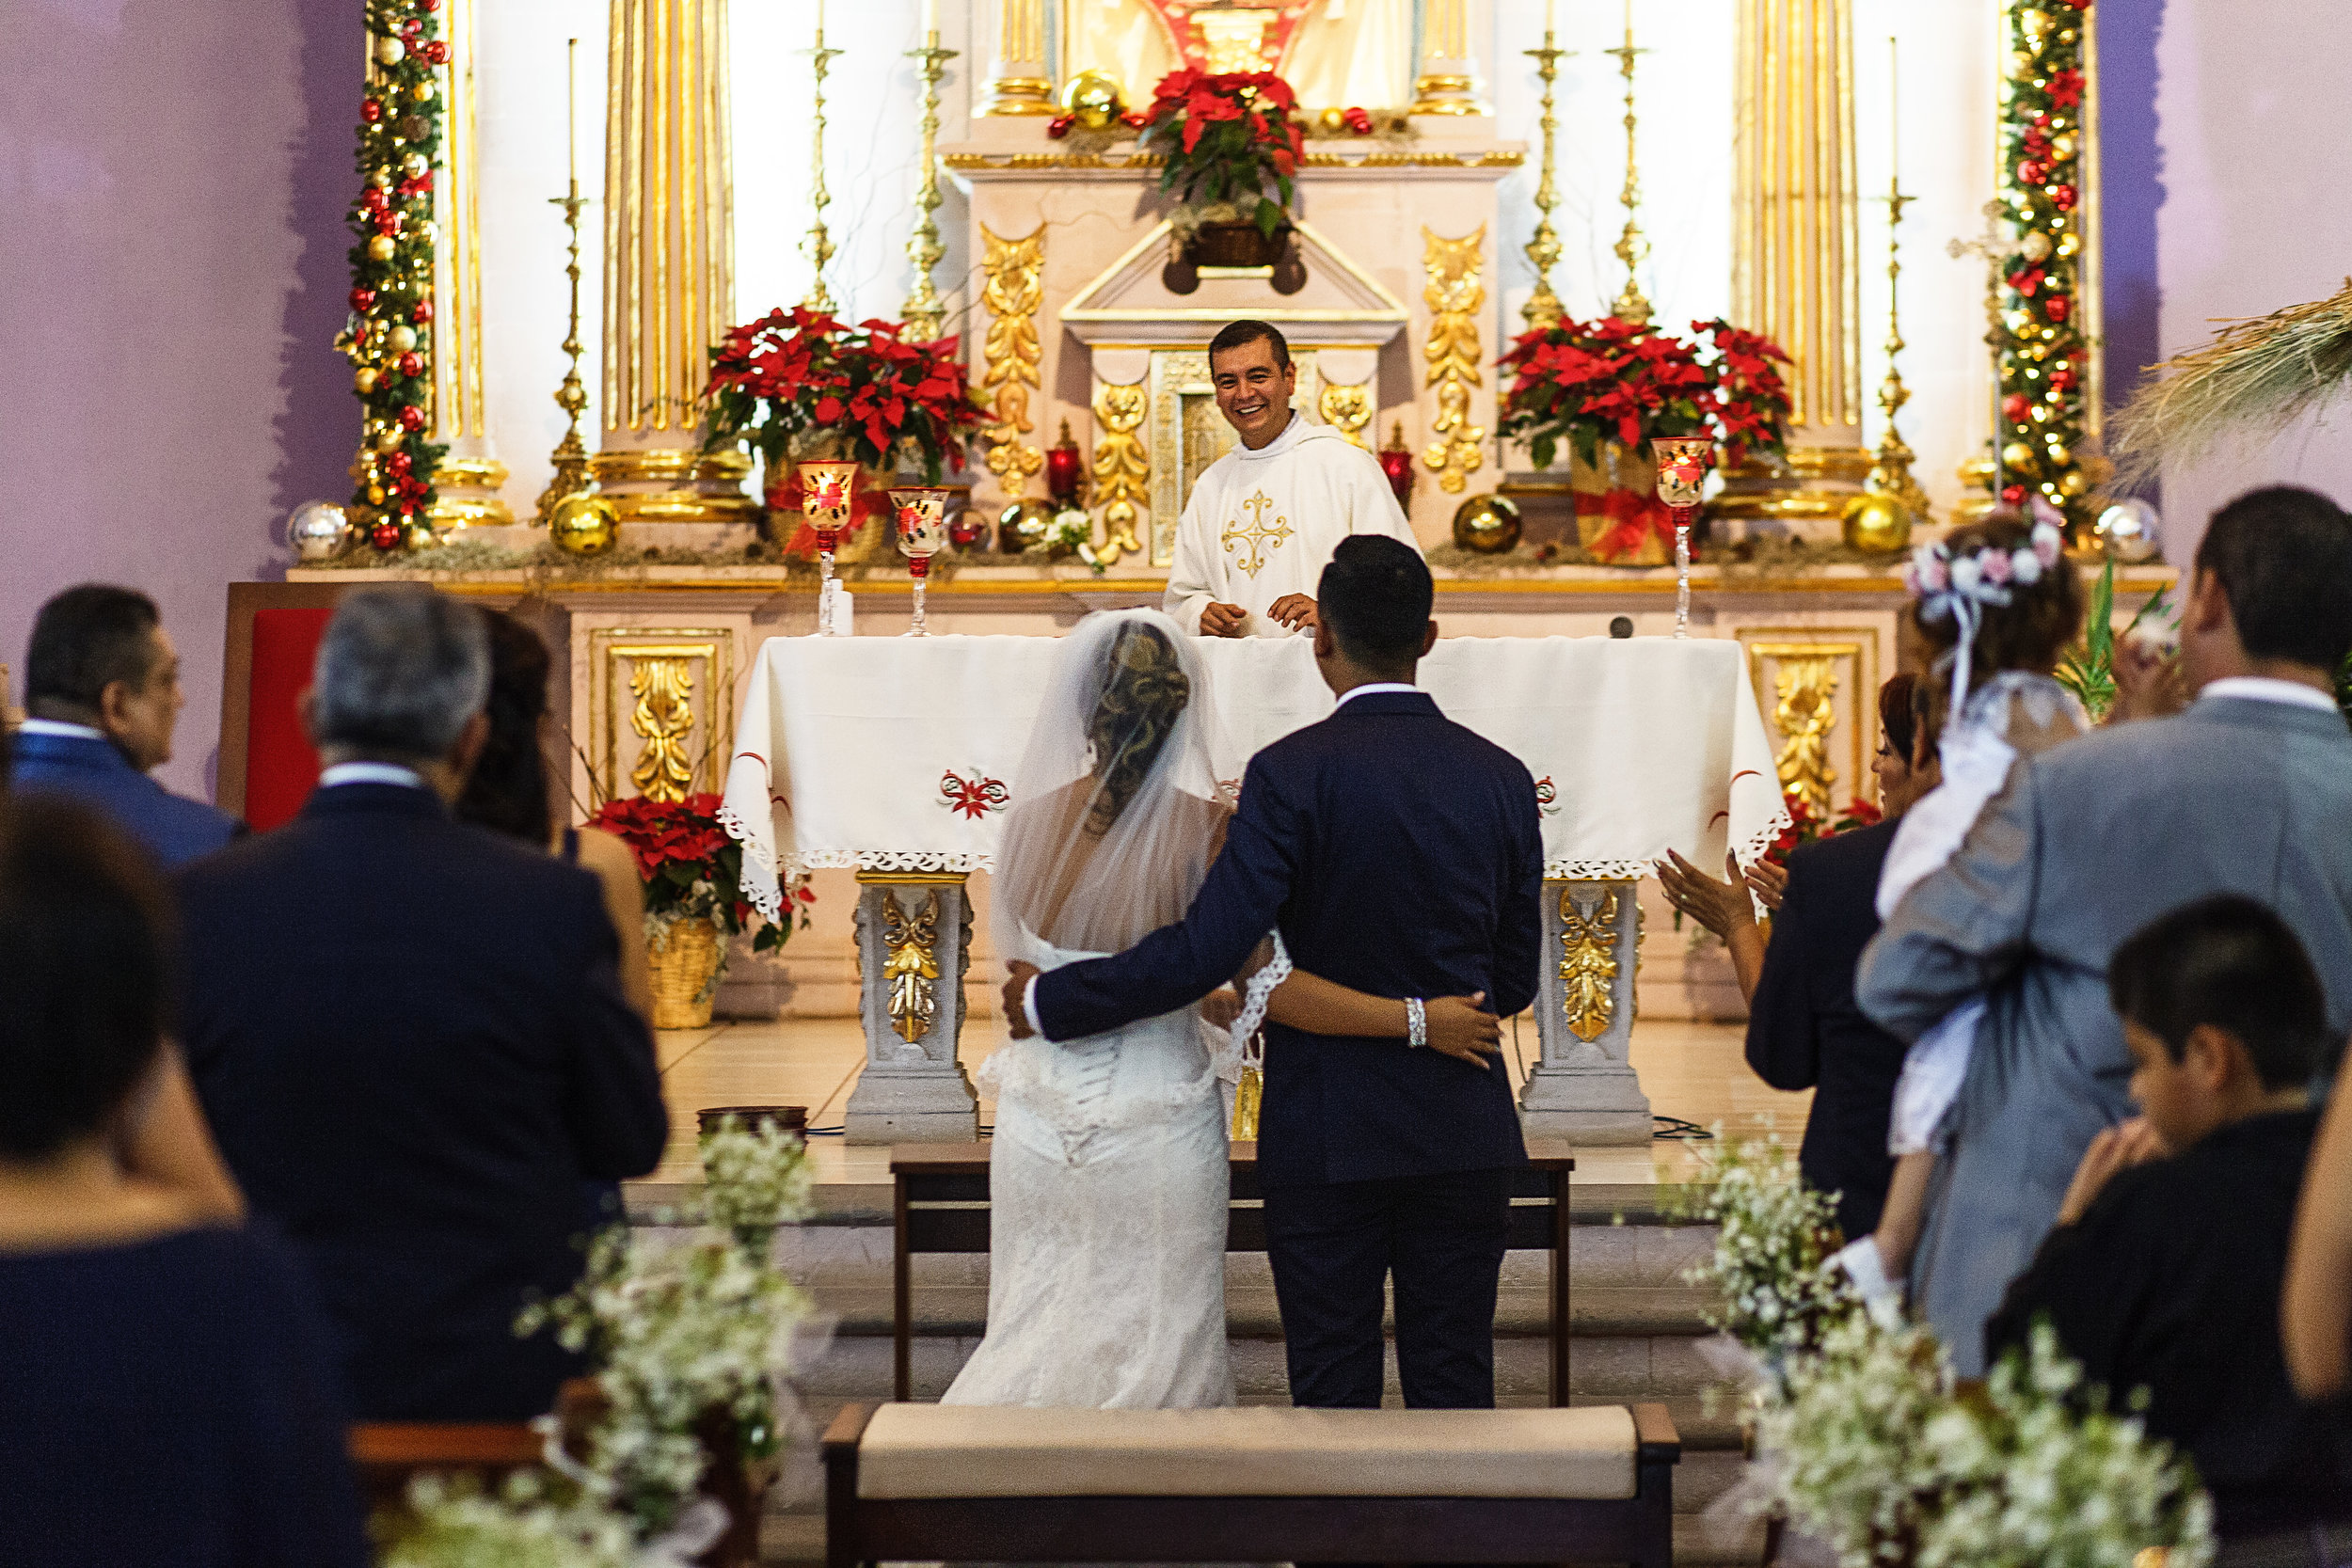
(2044, 365)
(390, 335)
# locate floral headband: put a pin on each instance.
(1958, 587)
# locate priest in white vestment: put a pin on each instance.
(1264, 520)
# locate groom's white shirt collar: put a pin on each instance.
(1370, 689)
(371, 772)
(60, 728)
(2265, 688)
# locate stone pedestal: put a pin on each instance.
(914, 945)
(1585, 1089)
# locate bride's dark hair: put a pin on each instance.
(1144, 691)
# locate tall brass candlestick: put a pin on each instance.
(1631, 248)
(1542, 308)
(1891, 474)
(924, 313)
(819, 241)
(570, 455)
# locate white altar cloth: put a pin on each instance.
(892, 754)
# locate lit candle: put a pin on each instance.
(930, 21)
(571, 111)
(1628, 24)
(820, 22)
(1895, 118)
(1551, 18)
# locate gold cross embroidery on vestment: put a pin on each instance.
(1258, 536)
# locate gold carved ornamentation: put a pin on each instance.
(1257, 536)
(912, 969)
(1823, 688)
(672, 689)
(1804, 693)
(1588, 965)
(664, 718)
(1453, 296)
(1346, 409)
(1012, 355)
(1123, 467)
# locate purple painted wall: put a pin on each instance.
(172, 176)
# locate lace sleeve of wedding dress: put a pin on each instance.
(1259, 991)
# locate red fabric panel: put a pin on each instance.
(279, 766)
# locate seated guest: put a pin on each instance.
(409, 1033)
(1804, 1030)
(2165, 1268)
(168, 1391)
(101, 689)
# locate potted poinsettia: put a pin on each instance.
(1606, 387)
(693, 877)
(802, 384)
(1231, 146)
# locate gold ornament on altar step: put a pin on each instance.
(1588, 965)
(1093, 100)
(582, 525)
(1488, 525)
(1877, 522)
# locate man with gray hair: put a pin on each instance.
(409, 1034)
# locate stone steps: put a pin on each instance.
(1635, 1328)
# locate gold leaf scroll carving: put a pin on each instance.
(664, 719)
(1804, 711)
(912, 969)
(1010, 354)
(1346, 409)
(1453, 296)
(1122, 467)
(1588, 965)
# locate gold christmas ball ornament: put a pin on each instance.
(390, 51)
(2074, 482)
(403, 338)
(584, 524)
(1023, 524)
(390, 438)
(2017, 455)
(2036, 247)
(1488, 525)
(1877, 522)
(423, 91)
(1093, 100)
(419, 535)
(414, 165)
(375, 495)
(1332, 121)
(2059, 456)
(380, 247)
(363, 380)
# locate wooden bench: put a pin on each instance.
(925, 1482)
(389, 1454)
(941, 1206)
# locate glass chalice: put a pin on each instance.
(825, 490)
(921, 512)
(1682, 464)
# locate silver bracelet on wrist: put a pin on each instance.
(1415, 1022)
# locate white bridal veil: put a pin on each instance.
(1116, 809)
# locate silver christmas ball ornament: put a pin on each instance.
(316, 531)
(2130, 531)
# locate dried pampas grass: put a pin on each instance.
(2255, 378)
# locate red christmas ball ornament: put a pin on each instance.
(2013, 494)
(370, 110)
(2032, 171)
(423, 313)
(385, 537)
(2062, 379)
(398, 462)
(1059, 126)
(2064, 199)
(412, 364)
(1134, 119)
(411, 416)
(437, 53)
(428, 7)
(411, 29)
(362, 299)
(2015, 406)
(2058, 306)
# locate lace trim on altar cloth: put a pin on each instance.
(757, 881)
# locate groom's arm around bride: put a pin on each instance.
(1398, 854)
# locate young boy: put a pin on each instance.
(2164, 1271)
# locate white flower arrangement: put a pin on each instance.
(1774, 1241)
(524, 1525)
(755, 1178)
(1072, 529)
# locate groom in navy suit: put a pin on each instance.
(1397, 853)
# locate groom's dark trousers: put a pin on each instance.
(1398, 853)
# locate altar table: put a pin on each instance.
(897, 756)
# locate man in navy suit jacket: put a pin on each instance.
(102, 685)
(409, 1032)
(1398, 853)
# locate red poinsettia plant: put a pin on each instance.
(1226, 139)
(1615, 380)
(797, 376)
(692, 868)
(1805, 824)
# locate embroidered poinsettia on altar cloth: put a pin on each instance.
(903, 755)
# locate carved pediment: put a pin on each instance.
(1127, 304)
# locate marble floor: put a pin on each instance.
(1690, 1070)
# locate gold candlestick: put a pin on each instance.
(1542, 308)
(819, 241)
(1631, 248)
(570, 455)
(1891, 474)
(924, 313)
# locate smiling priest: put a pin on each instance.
(1264, 518)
